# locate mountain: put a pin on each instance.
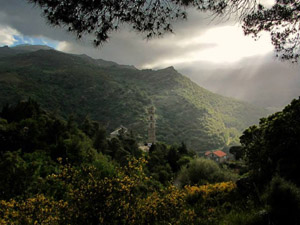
(31, 48)
(120, 95)
(6, 51)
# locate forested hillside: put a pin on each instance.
(118, 95)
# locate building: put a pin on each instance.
(151, 126)
(120, 130)
(216, 155)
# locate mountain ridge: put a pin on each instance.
(119, 94)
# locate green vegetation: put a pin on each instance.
(273, 146)
(118, 95)
(271, 153)
(63, 168)
(56, 171)
(202, 171)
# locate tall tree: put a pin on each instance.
(273, 147)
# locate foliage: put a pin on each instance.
(52, 177)
(209, 190)
(245, 217)
(76, 175)
(32, 140)
(106, 200)
(273, 147)
(271, 153)
(237, 151)
(118, 199)
(165, 162)
(30, 129)
(202, 171)
(283, 199)
(22, 174)
(36, 210)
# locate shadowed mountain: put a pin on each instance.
(31, 48)
(116, 94)
(19, 49)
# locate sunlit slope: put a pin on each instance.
(115, 95)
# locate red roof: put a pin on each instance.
(220, 153)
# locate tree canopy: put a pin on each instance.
(155, 18)
(272, 148)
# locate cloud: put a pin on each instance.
(262, 80)
(26, 18)
(63, 46)
(7, 35)
(124, 47)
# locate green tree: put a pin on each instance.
(183, 149)
(13, 175)
(203, 171)
(273, 147)
(23, 174)
(22, 110)
(283, 199)
(173, 158)
(237, 151)
(158, 164)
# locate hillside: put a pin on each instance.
(116, 94)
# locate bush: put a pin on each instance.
(246, 217)
(202, 171)
(283, 199)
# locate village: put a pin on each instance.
(218, 156)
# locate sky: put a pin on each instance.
(213, 53)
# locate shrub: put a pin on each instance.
(203, 171)
(283, 199)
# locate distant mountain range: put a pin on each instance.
(120, 95)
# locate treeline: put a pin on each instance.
(56, 171)
(32, 140)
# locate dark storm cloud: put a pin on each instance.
(26, 18)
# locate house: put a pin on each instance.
(216, 155)
(120, 130)
(144, 148)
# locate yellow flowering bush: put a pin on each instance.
(165, 206)
(209, 190)
(118, 200)
(210, 201)
(111, 200)
(35, 210)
